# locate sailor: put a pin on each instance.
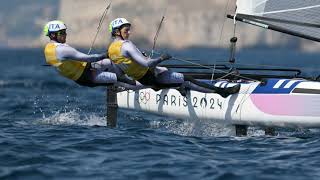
(86, 70)
(145, 70)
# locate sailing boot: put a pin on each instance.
(126, 80)
(225, 92)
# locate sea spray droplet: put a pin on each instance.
(73, 117)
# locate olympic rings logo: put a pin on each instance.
(144, 97)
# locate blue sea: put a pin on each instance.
(51, 128)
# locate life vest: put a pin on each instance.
(70, 69)
(129, 66)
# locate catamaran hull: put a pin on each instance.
(278, 102)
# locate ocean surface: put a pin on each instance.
(51, 128)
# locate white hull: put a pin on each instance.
(284, 103)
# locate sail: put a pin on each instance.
(296, 17)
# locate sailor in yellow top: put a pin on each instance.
(87, 70)
(145, 70)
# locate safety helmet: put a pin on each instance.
(117, 23)
(53, 26)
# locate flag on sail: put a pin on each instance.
(296, 17)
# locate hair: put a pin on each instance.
(113, 34)
(124, 26)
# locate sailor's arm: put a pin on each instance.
(128, 49)
(66, 52)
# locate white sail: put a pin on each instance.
(266, 7)
(250, 6)
(299, 17)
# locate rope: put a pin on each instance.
(210, 68)
(212, 75)
(99, 26)
(213, 69)
(270, 66)
(157, 32)
(225, 13)
(194, 60)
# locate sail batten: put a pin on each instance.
(300, 17)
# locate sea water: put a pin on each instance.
(51, 128)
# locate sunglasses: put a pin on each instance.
(61, 33)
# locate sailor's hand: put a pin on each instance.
(165, 56)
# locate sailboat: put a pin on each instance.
(285, 100)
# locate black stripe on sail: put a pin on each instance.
(260, 18)
(273, 27)
(306, 91)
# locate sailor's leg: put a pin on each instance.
(128, 83)
(191, 86)
(179, 79)
(111, 78)
(101, 72)
(224, 92)
(108, 66)
(105, 71)
(175, 79)
(127, 80)
(102, 65)
(105, 78)
(170, 78)
(200, 83)
(127, 86)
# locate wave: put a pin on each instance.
(35, 83)
(72, 118)
(182, 127)
(128, 119)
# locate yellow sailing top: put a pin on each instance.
(129, 66)
(70, 69)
